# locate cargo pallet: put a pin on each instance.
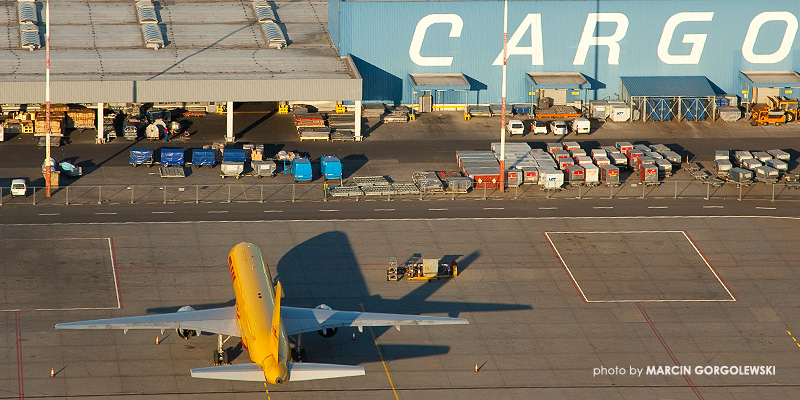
(171, 171)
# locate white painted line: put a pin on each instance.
(493, 208)
(548, 208)
(50, 214)
(603, 208)
(328, 210)
(574, 281)
(709, 266)
(162, 212)
(273, 211)
(114, 271)
(218, 211)
(766, 208)
(105, 213)
(658, 207)
(384, 209)
(437, 209)
(713, 206)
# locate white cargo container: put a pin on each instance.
(750, 163)
(722, 155)
(619, 112)
(742, 155)
(766, 174)
(575, 153)
(551, 147)
(591, 174)
(571, 146)
(551, 178)
(618, 158)
(583, 160)
(598, 153)
(780, 165)
(602, 161)
(779, 154)
(721, 167)
(762, 156)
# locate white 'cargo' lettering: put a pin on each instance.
(536, 51)
(456, 24)
(786, 43)
(697, 41)
(588, 38)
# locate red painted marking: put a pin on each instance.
(172, 266)
(19, 355)
(575, 284)
(116, 273)
(710, 266)
(669, 351)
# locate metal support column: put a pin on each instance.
(357, 132)
(229, 133)
(100, 137)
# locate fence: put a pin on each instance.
(241, 192)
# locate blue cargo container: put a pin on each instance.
(172, 157)
(331, 167)
(141, 156)
(234, 155)
(301, 169)
(202, 157)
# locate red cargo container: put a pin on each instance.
(632, 155)
(648, 173)
(565, 162)
(486, 181)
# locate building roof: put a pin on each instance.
(557, 80)
(439, 81)
(771, 78)
(100, 43)
(667, 86)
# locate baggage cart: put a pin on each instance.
(740, 176)
(171, 171)
(201, 157)
(779, 154)
(648, 174)
(141, 156)
(591, 174)
(780, 165)
(609, 175)
(721, 168)
(231, 168)
(766, 174)
(171, 157)
(263, 168)
(576, 175)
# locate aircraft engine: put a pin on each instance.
(326, 332)
(186, 333)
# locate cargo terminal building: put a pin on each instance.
(667, 60)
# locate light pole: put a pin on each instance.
(503, 105)
(47, 165)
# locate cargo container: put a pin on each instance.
(609, 175)
(780, 165)
(513, 177)
(591, 174)
(619, 112)
(577, 153)
(664, 168)
(141, 156)
(639, 161)
(551, 147)
(659, 148)
(551, 178)
(722, 155)
(330, 167)
(779, 154)
(623, 146)
(598, 109)
(766, 174)
(618, 158)
(172, 157)
(750, 163)
(575, 174)
(301, 169)
(460, 184)
(530, 175)
(563, 163)
(568, 146)
(598, 153)
(721, 168)
(202, 157)
(740, 175)
(652, 154)
(262, 168)
(641, 147)
(762, 156)
(741, 155)
(632, 156)
(648, 174)
(561, 154)
(609, 149)
(583, 160)
(602, 161)
(672, 157)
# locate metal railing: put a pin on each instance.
(241, 192)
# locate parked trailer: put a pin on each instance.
(141, 156)
(740, 175)
(609, 175)
(766, 174)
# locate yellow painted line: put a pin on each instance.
(375, 340)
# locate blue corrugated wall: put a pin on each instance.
(379, 37)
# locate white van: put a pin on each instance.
(558, 127)
(581, 125)
(515, 127)
(18, 187)
(538, 127)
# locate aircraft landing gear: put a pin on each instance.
(220, 354)
(298, 352)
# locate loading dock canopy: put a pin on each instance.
(770, 78)
(663, 98)
(441, 81)
(557, 80)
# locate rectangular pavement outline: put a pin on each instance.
(112, 257)
(696, 249)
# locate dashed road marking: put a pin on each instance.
(713, 206)
(162, 212)
(273, 211)
(328, 210)
(49, 214)
(658, 207)
(602, 207)
(437, 209)
(105, 213)
(218, 211)
(548, 208)
(493, 208)
(766, 208)
(384, 209)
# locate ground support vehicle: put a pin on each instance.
(765, 116)
(232, 163)
(418, 268)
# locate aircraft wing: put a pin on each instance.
(299, 320)
(297, 372)
(215, 320)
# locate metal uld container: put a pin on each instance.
(780, 165)
(459, 184)
(722, 155)
(672, 157)
(571, 146)
(560, 154)
(602, 161)
(648, 173)
(740, 175)
(742, 155)
(618, 158)
(721, 167)
(551, 178)
(530, 175)
(609, 174)
(576, 174)
(664, 168)
(598, 153)
(622, 146)
(643, 160)
(231, 168)
(750, 163)
(766, 174)
(762, 156)
(779, 154)
(263, 168)
(591, 173)
(513, 177)
(632, 156)
(563, 163)
(551, 147)
(583, 160)
(577, 153)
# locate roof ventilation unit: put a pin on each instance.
(28, 28)
(269, 26)
(148, 20)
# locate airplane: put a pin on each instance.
(263, 325)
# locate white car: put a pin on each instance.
(539, 127)
(18, 187)
(558, 127)
(515, 127)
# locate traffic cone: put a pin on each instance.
(157, 341)
(354, 336)
(52, 372)
(476, 367)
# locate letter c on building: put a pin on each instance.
(456, 24)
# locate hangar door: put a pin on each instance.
(763, 92)
(559, 96)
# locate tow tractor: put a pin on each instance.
(417, 268)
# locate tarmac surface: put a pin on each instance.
(555, 285)
(548, 299)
